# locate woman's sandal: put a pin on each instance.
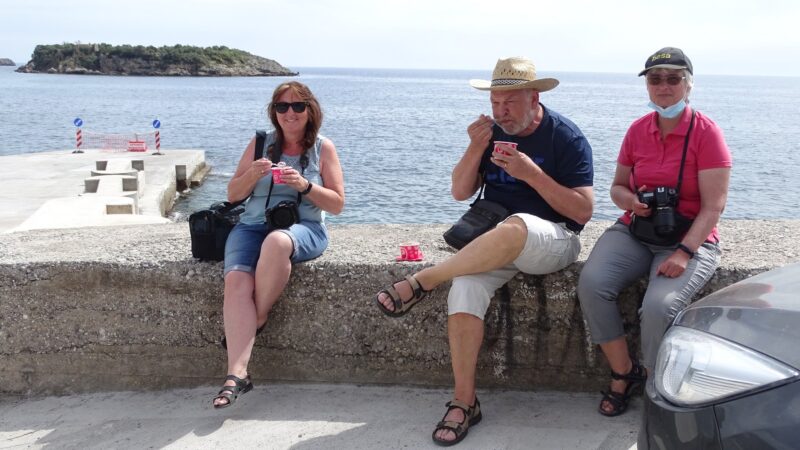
(401, 308)
(619, 401)
(472, 415)
(224, 342)
(231, 393)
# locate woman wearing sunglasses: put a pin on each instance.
(272, 234)
(671, 181)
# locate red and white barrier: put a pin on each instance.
(78, 142)
(158, 143)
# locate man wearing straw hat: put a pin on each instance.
(538, 165)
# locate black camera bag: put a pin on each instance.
(209, 228)
(644, 228)
(482, 216)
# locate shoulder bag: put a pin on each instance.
(482, 216)
(209, 228)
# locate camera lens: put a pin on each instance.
(664, 220)
(282, 218)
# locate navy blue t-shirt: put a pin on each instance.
(559, 148)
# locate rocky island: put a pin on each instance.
(6, 62)
(177, 60)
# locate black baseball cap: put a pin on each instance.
(667, 58)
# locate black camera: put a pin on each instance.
(283, 215)
(662, 201)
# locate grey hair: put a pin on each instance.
(689, 83)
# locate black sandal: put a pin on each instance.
(472, 415)
(401, 308)
(231, 393)
(619, 400)
(224, 342)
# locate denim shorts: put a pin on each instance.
(243, 247)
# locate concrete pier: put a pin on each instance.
(61, 189)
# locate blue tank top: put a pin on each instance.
(256, 206)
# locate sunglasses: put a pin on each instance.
(672, 80)
(283, 107)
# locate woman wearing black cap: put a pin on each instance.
(671, 182)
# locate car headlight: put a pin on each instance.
(695, 367)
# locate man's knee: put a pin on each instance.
(468, 295)
(513, 231)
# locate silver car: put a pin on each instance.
(728, 370)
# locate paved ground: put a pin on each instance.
(302, 416)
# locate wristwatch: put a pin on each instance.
(686, 250)
(308, 189)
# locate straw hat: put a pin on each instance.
(514, 73)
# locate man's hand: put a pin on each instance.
(515, 163)
(480, 131)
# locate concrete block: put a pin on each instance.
(121, 206)
(112, 184)
(181, 181)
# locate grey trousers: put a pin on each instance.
(616, 261)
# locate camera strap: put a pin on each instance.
(261, 137)
(483, 179)
(683, 159)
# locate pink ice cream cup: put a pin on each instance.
(501, 151)
(277, 171)
(410, 251)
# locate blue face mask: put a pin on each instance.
(670, 112)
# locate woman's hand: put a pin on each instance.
(260, 167)
(674, 266)
(638, 208)
(292, 178)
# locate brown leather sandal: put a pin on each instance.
(472, 415)
(401, 308)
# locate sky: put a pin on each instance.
(731, 37)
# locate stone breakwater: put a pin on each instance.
(119, 308)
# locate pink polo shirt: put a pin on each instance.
(656, 162)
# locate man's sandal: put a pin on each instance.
(619, 400)
(401, 308)
(472, 415)
(224, 341)
(231, 393)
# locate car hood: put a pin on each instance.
(761, 312)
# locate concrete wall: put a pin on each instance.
(113, 308)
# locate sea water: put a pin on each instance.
(399, 133)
